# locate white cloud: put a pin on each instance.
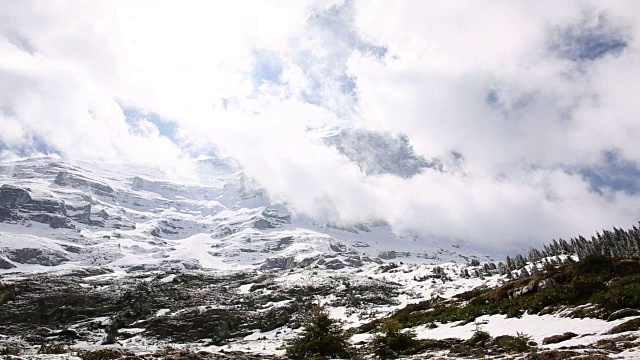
(478, 79)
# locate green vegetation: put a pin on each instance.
(321, 338)
(391, 340)
(102, 354)
(10, 350)
(53, 349)
(609, 284)
(514, 344)
(479, 337)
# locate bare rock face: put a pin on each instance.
(36, 257)
(281, 263)
(15, 201)
(53, 221)
(51, 206)
(4, 264)
(68, 179)
(12, 196)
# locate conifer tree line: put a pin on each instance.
(615, 243)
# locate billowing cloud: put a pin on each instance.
(494, 122)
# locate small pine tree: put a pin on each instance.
(321, 337)
(391, 339)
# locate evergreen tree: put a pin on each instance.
(321, 337)
(391, 340)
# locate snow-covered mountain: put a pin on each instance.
(57, 213)
(112, 257)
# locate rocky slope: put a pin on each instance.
(68, 213)
(105, 261)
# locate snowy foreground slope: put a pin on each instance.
(108, 256)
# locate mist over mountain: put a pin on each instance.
(183, 178)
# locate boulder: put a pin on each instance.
(334, 264)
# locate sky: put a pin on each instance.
(489, 122)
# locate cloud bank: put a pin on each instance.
(519, 121)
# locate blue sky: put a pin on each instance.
(529, 110)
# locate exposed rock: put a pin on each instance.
(546, 283)
(12, 196)
(81, 214)
(8, 215)
(623, 313)
(280, 244)
(354, 261)
(334, 264)
(188, 326)
(7, 293)
(68, 179)
(630, 325)
(387, 255)
(168, 228)
(36, 257)
(262, 224)
(554, 355)
(524, 289)
(279, 263)
(274, 319)
(338, 247)
(51, 206)
(54, 221)
(308, 261)
(4, 264)
(558, 338)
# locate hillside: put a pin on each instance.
(101, 261)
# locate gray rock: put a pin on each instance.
(281, 263)
(68, 179)
(8, 215)
(262, 224)
(12, 196)
(338, 247)
(36, 257)
(51, 206)
(353, 262)
(334, 264)
(81, 214)
(388, 255)
(54, 221)
(4, 264)
(623, 313)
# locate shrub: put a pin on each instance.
(595, 264)
(102, 354)
(518, 343)
(10, 350)
(391, 339)
(479, 336)
(53, 349)
(320, 338)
